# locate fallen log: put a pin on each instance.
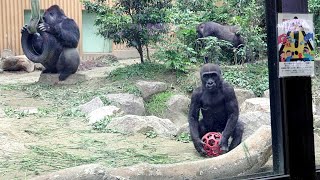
(248, 157)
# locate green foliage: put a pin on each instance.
(151, 134)
(184, 137)
(138, 71)
(136, 23)
(314, 7)
(101, 125)
(157, 104)
(182, 50)
(249, 76)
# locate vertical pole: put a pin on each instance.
(274, 89)
(297, 113)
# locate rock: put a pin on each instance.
(317, 149)
(316, 121)
(177, 109)
(39, 66)
(243, 94)
(7, 53)
(266, 94)
(252, 121)
(148, 89)
(142, 124)
(92, 105)
(2, 113)
(53, 79)
(255, 104)
(246, 158)
(317, 106)
(100, 113)
(17, 63)
(128, 103)
(28, 110)
(183, 129)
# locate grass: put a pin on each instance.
(157, 104)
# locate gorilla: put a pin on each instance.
(227, 33)
(55, 44)
(218, 104)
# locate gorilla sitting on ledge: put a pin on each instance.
(218, 104)
(55, 46)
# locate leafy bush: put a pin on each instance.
(249, 76)
(181, 49)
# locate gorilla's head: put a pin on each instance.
(53, 15)
(211, 77)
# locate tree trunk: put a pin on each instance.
(139, 48)
(148, 55)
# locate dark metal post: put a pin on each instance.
(274, 88)
(297, 113)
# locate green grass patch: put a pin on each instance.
(139, 71)
(157, 104)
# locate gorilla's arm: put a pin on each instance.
(68, 33)
(194, 121)
(232, 109)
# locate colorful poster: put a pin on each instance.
(296, 45)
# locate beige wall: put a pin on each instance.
(12, 17)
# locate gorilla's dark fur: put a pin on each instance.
(227, 33)
(55, 44)
(218, 104)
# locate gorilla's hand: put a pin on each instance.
(44, 27)
(24, 28)
(199, 147)
(224, 144)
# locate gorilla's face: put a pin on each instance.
(53, 15)
(211, 77)
(211, 81)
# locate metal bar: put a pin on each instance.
(274, 89)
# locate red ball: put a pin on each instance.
(211, 146)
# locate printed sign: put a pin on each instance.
(296, 45)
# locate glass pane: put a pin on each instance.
(314, 9)
(128, 113)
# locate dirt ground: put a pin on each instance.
(32, 145)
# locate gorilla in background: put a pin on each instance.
(218, 104)
(55, 44)
(227, 33)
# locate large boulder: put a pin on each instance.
(101, 113)
(148, 89)
(246, 158)
(177, 109)
(243, 94)
(128, 103)
(253, 120)
(142, 124)
(92, 105)
(2, 113)
(255, 104)
(17, 63)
